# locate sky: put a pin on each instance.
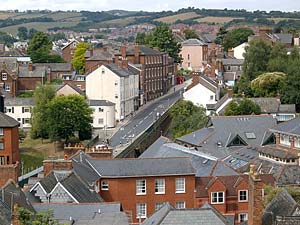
(152, 5)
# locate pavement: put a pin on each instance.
(132, 126)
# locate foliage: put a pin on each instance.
(268, 84)
(58, 36)
(244, 107)
(256, 59)
(236, 37)
(42, 218)
(68, 115)
(7, 39)
(79, 60)
(243, 87)
(190, 33)
(271, 193)
(186, 118)
(278, 56)
(22, 33)
(163, 39)
(43, 94)
(39, 49)
(221, 35)
(27, 94)
(141, 38)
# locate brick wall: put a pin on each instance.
(61, 164)
(8, 172)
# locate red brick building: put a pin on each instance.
(68, 51)
(94, 58)
(8, 76)
(143, 185)
(9, 149)
(158, 70)
(228, 194)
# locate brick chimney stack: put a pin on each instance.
(136, 53)
(59, 164)
(123, 51)
(255, 204)
(30, 66)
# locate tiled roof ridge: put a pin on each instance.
(261, 115)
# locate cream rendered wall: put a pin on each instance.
(108, 116)
(238, 51)
(200, 96)
(196, 57)
(67, 90)
(19, 115)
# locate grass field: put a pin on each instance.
(121, 22)
(41, 26)
(65, 16)
(277, 20)
(33, 152)
(5, 15)
(181, 16)
(220, 20)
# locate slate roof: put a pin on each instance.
(208, 38)
(284, 38)
(98, 55)
(143, 50)
(86, 213)
(232, 62)
(19, 101)
(291, 127)
(204, 165)
(93, 102)
(280, 153)
(208, 83)
(121, 72)
(7, 121)
(38, 71)
(193, 42)
(282, 204)
(10, 63)
(217, 142)
(167, 215)
(143, 167)
(71, 182)
(56, 67)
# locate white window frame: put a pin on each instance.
(243, 214)
(4, 76)
(7, 87)
(26, 109)
(217, 202)
(180, 185)
(1, 132)
(26, 120)
(240, 200)
(104, 185)
(141, 210)
(160, 186)
(180, 205)
(141, 189)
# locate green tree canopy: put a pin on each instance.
(68, 116)
(236, 37)
(79, 60)
(186, 118)
(39, 49)
(42, 218)
(257, 56)
(163, 39)
(190, 33)
(22, 33)
(278, 58)
(43, 95)
(243, 107)
(268, 84)
(221, 35)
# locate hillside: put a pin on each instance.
(82, 21)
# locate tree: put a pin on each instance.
(243, 107)
(79, 60)
(268, 84)
(236, 37)
(42, 218)
(43, 95)
(278, 58)
(257, 56)
(68, 116)
(141, 38)
(22, 33)
(220, 35)
(290, 93)
(31, 33)
(190, 33)
(163, 38)
(7, 39)
(186, 118)
(39, 49)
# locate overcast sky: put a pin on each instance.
(152, 5)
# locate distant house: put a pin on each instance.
(68, 50)
(9, 74)
(77, 80)
(230, 69)
(56, 70)
(194, 53)
(20, 109)
(202, 92)
(94, 58)
(117, 84)
(103, 113)
(238, 51)
(68, 89)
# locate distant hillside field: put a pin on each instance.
(277, 20)
(220, 20)
(181, 16)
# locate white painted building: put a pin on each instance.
(203, 93)
(117, 84)
(238, 51)
(20, 109)
(103, 113)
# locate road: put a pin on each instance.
(143, 120)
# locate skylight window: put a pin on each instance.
(250, 135)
